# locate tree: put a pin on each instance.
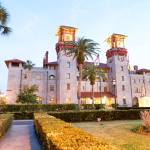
(90, 72)
(28, 65)
(81, 49)
(27, 96)
(4, 17)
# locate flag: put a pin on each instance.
(128, 61)
(96, 62)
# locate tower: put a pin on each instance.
(116, 61)
(67, 67)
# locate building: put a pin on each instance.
(57, 81)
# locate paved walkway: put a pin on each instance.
(20, 136)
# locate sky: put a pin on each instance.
(35, 22)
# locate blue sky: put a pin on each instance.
(35, 22)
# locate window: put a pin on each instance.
(90, 88)
(24, 76)
(83, 87)
(39, 100)
(68, 75)
(124, 101)
(25, 87)
(105, 89)
(135, 89)
(123, 88)
(105, 70)
(51, 77)
(133, 80)
(52, 67)
(51, 87)
(68, 100)
(37, 88)
(139, 80)
(122, 78)
(113, 88)
(67, 38)
(142, 80)
(77, 88)
(68, 64)
(77, 78)
(68, 86)
(38, 77)
(111, 78)
(51, 101)
(99, 88)
(97, 79)
(121, 68)
(111, 69)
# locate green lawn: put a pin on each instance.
(118, 133)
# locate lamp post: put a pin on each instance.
(114, 84)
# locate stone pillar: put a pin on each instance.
(20, 65)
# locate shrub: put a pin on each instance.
(145, 116)
(136, 105)
(5, 123)
(57, 134)
(113, 105)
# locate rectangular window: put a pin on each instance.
(83, 87)
(52, 67)
(24, 76)
(121, 68)
(68, 64)
(142, 81)
(37, 88)
(77, 88)
(111, 78)
(135, 89)
(111, 69)
(51, 87)
(139, 80)
(105, 89)
(68, 75)
(122, 78)
(38, 77)
(133, 80)
(25, 87)
(68, 86)
(97, 79)
(99, 88)
(123, 88)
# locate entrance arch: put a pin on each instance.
(108, 102)
(135, 100)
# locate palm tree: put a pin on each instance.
(90, 72)
(28, 65)
(4, 17)
(81, 48)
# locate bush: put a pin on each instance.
(136, 105)
(5, 123)
(113, 105)
(140, 128)
(145, 116)
(57, 134)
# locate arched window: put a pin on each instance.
(39, 100)
(51, 77)
(135, 100)
(124, 101)
(68, 101)
(77, 78)
(51, 101)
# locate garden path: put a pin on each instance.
(21, 136)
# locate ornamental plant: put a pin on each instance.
(81, 48)
(27, 96)
(145, 116)
(90, 72)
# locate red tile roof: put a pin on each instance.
(52, 63)
(141, 70)
(100, 65)
(96, 94)
(15, 60)
(67, 27)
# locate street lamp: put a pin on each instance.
(114, 84)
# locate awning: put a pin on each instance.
(96, 94)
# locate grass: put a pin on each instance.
(117, 133)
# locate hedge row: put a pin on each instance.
(59, 135)
(5, 123)
(45, 107)
(93, 115)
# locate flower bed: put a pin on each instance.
(5, 123)
(57, 134)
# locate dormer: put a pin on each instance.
(66, 33)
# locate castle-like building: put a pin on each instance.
(57, 82)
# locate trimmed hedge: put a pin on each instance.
(93, 115)
(129, 108)
(5, 123)
(59, 135)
